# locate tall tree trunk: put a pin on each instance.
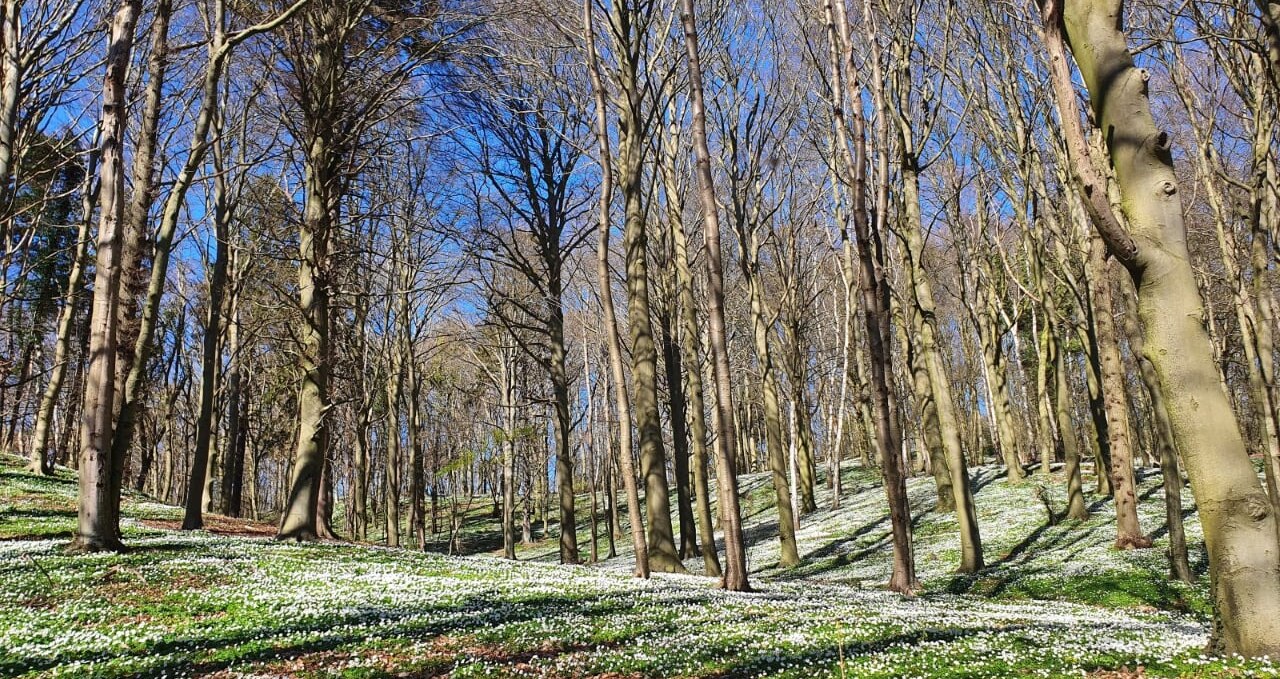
(777, 457)
(508, 405)
(688, 335)
(233, 460)
(927, 413)
(622, 402)
(564, 452)
(199, 489)
(391, 499)
(926, 314)
(1239, 525)
(874, 287)
(97, 526)
(298, 521)
(735, 570)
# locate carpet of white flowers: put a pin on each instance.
(196, 604)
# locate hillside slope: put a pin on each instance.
(202, 604)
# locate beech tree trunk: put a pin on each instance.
(97, 527)
(1235, 513)
(722, 419)
(622, 402)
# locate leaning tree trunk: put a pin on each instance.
(1239, 526)
(97, 528)
(40, 463)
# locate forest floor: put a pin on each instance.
(1056, 600)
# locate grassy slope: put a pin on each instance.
(201, 604)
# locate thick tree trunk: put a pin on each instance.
(776, 456)
(298, 520)
(1236, 515)
(1179, 567)
(97, 526)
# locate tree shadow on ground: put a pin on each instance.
(278, 640)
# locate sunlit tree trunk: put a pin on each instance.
(1235, 513)
(97, 526)
(734, 577)
(622, 402)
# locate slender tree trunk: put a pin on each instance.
(688, 340)
(199, 490)
(621, 401)
(926, 314)
(1076, 508)
(392, 436)
(679, 437)
(874, 288)
(40, 463)
(735, 568)
(1128, 532)
(233, 460)
(508, 405)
